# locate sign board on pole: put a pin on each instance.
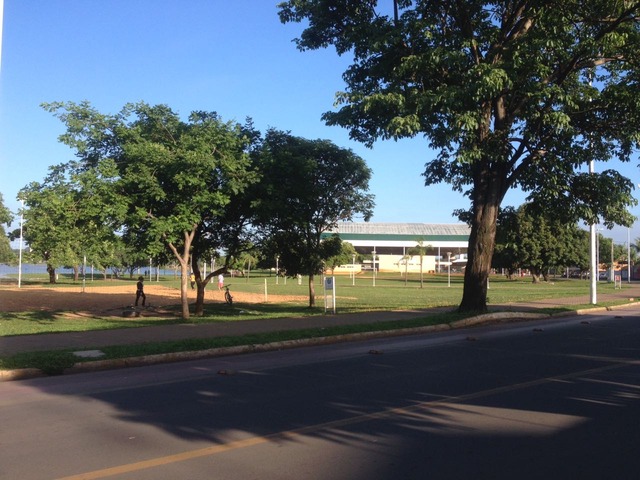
(617, 281)
(330, 290)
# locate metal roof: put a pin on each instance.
(412, 229)
(437, 235)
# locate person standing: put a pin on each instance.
(220, 281)
(140, 291)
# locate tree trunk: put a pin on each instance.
(52, 273)
(184, 290)
(312, 292)
(183, 258)
(199, 308)
(201, 284)
(481, 245)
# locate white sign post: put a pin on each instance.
(617, 281)
(330, 287)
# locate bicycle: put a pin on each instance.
(227, 295)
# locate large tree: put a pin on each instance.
(509, 94)
(307, 187)
(176, 177)
(535, 240)
(50, 224)
(70, 216)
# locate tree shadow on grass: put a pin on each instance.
(37, 316)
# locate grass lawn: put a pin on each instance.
(391, 292)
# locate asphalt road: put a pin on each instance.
(558, 399)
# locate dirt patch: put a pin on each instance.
(112, 301)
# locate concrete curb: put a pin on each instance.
(111, 364)
(497, 317)
(20, 374)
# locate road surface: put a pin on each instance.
(558, 399)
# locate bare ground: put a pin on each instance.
(111, 301)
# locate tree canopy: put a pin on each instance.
(147, 184)
(536, 241)
(509, 94)
(172, 179)
(306, 188)
(70, 216)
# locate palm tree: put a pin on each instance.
(420, 249)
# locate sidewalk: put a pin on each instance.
(131, 336)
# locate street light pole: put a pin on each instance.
(374, 266)
(611, 270)
(353, 269)
(592, 236)
(449, 267)
(594, 264)
(628, 254)
(597, 255)
(21, 244)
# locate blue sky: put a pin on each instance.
(232, 57)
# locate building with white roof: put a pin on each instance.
(392, 243)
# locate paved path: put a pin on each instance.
(131, 336)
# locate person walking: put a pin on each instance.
(220, 281)
(140, 291)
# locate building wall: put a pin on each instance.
(396, 263)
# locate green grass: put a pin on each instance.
(390, 292)
(54, 362)
(37, 322)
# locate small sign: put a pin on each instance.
(329, 294)
(617, 281)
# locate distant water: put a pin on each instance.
(29, 268)
(41, 268)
